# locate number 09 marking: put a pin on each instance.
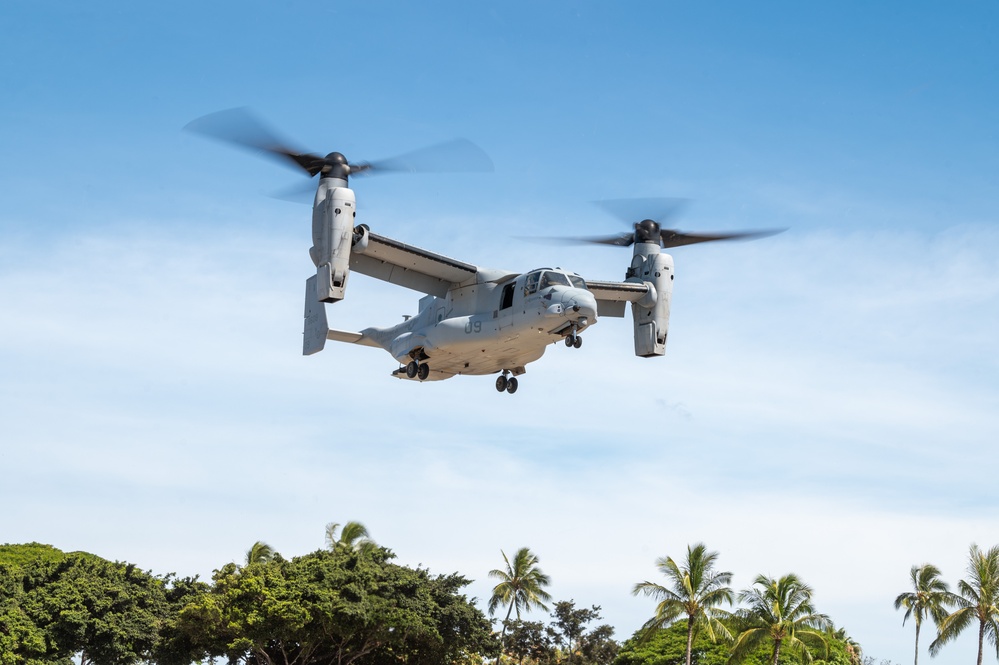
(473, 327)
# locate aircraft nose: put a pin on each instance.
(580, 304)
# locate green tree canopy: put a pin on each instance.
(341, 607)
(55, 606)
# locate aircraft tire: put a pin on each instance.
(411, 369)
(423, 372)
(568, 340)
(511, 385)
(501, 383)
(578, 342)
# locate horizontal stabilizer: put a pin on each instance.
(351, 338)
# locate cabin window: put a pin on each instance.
(577, 281)
(507, 298)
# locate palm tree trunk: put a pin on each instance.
(690, 638)
(917, 644)
(777, 652)
(503, 634)
(981, 636)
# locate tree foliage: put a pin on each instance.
(668, 647)
(779, 612)
(929, 598)
(58, 606)
(978, 602)
(694, 591)
(343, 608)
(567, 639)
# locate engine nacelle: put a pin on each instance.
(651, 314)
(332, 234)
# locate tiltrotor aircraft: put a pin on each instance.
(472, 320)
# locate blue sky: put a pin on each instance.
(829, 402)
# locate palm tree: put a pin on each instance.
(694, 591)
(779, 611)
(259, 552)
(930, 597)
(979, 599)
(521, 586)
(353, 537)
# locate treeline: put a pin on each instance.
(351, 604)
(341, 606)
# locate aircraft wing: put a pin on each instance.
(611, 296)
(418, 269)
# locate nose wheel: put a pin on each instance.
(506, 384)
(575, 341)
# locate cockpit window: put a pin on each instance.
(577, 281)
(532, 282)
(553, 279)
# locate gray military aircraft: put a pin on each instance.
(472, 320)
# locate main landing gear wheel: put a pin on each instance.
(423, 372)
(411, 369)
(501, 383)
(574, 341)
(511, 385)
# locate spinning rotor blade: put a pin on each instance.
(649, 229)
(672, 238)
(241, 128)
(455, 156)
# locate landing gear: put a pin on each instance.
(504, 383)
(573, 340)
(418, 370)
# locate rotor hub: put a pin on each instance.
(335, 165)
(647, 231)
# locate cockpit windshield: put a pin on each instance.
(544, 278)
(550, 278)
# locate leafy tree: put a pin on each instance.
(669, 647)
(529, 640)
(569, 634)
(929, 597)
(978, 599)
(173, 646)
(566, 639)
(779, 612)
(21, 639)
(694, 591)
(54, 606)
(342, 608)
(521, 585)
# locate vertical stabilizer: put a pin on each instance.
(316, 324)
